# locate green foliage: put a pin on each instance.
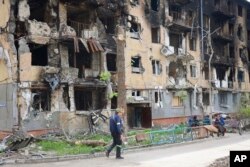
(114, 94)
(182, 94)
(64, 148)
(245, 112)
(105, 76)
(106, 138)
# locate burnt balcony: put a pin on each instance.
(223, 11)
(180, 2)
(224, 36)
(154, 18)
(220, 59)
(176, 22)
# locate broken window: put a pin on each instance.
(40, 100)
(240, 32)
(240, 10)
(39, 55)
(175, 12)
(175, 41)
(155, 5)
(205, 98)
(157, 69)
(206, 72)
(231, 52)
(155, 35)
(193, 71)
(231, 29)
(136, 93)
(111, 61)
(83, 99)
(241, 52)
(81, 60)
(248, 14)
(134, 30)
(109, 23)
(223, 98)
(192, 44)
(248, 50)
(136, 64)
(241, 76)
(158, 99)
(66, 96)
(177, 101)
(37, 9)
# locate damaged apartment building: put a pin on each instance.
(54, 54)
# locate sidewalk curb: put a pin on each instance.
(101, 154)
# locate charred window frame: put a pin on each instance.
(135, 29)
(231, 52)
(175, 12)
(192, 44)
(111, 62)
(193, 71)
(37, 9)
(223, 98)
(40, 99)
(155, 5)
(240, 33)
(155, 35)
(157, 67)
(136, 64)
(39, 54)
(83, 99)
(240, 10)
(81, 60)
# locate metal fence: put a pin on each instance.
(166, 136)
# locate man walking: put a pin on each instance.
(115, 126)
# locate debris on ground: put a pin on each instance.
(221, 162)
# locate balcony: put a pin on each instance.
(175, 22)
(154, 17)
(220, 59)
(224, 36)
(223, 12)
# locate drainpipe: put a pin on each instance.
(202, 35)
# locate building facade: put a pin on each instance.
(61, 59)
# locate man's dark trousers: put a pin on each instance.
(117, 141)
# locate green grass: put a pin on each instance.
(64, 148)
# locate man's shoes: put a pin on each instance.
(107, 154)
(119, 158)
